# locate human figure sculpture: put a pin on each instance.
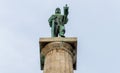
(57, 22)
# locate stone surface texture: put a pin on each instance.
(60, 54)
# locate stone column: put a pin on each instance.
(58, 58)
(59, 55)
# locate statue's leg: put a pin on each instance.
(61, 30)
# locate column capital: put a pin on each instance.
(57, 46)
(58, 43)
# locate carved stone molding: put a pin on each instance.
(57, 46)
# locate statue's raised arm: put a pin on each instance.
(66, 10)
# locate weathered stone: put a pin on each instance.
(60, 54)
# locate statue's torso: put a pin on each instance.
(59, 19)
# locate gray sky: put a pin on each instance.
(96, 24)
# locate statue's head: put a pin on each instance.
(57, 11)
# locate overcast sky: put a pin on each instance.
(96, 24)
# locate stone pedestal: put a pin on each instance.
(58, 55)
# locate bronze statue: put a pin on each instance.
(57, 22)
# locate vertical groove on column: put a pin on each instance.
(68, 63)
(50, 68)
(60, 60)
(65, 63)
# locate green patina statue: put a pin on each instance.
(57, 22)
